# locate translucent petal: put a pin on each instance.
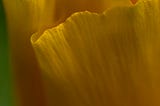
(109, 59)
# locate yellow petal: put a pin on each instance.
(27, 16)
(111, 59)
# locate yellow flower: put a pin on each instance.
(92, 59)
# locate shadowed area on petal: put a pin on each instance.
(64, 8)
(110, 59)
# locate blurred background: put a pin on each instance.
(6, 94)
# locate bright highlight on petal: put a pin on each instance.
(110, 59)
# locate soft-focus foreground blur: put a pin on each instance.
(63, 56)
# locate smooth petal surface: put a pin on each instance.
(110, 59)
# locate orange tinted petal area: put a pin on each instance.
(134, 1)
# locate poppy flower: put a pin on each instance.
(103, 56)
